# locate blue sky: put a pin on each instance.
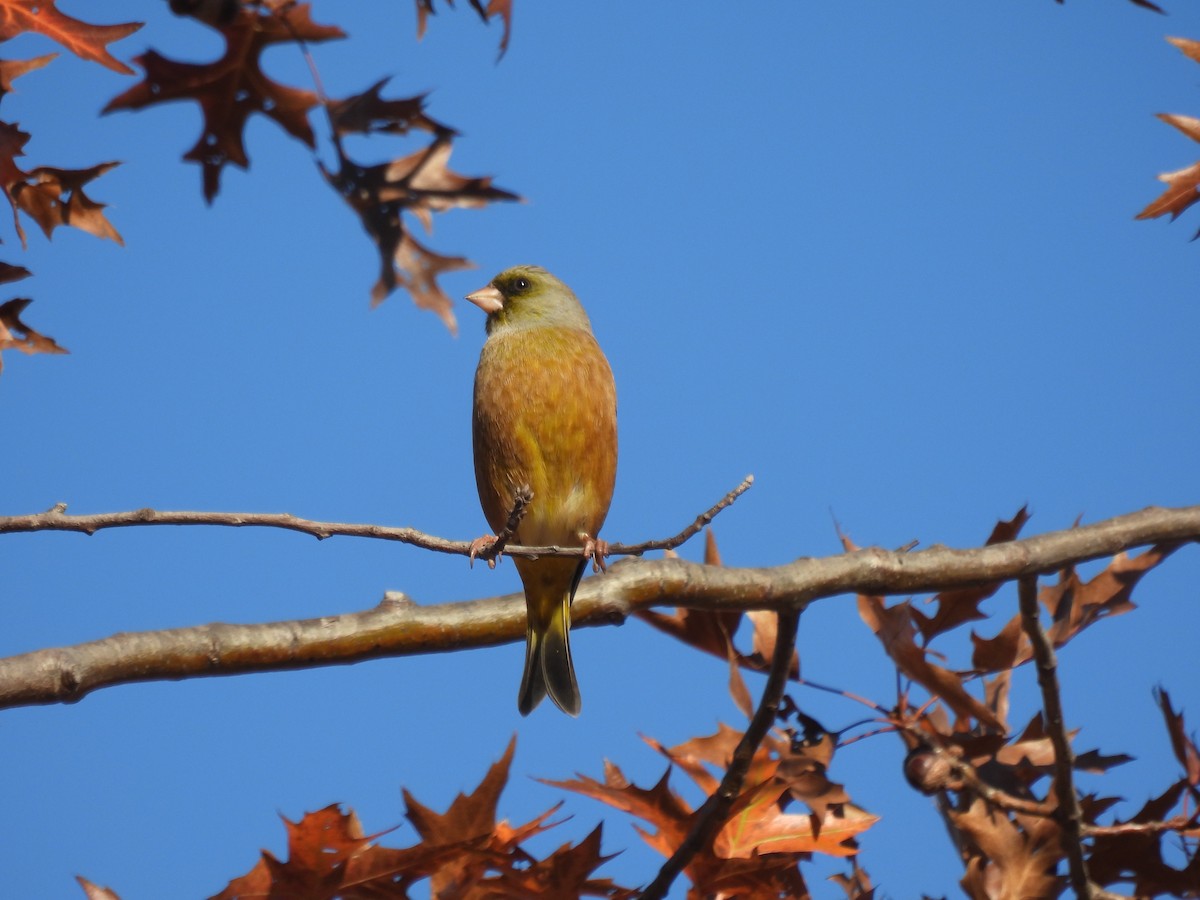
(882, 256)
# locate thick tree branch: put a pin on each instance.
(58, 519)
(399, 627)
(712, 815)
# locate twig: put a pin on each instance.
(1176, 823)
(66, 674)
(57, 519)
(696, 527)
(712, 814)
(491, 552)
(1069, 813)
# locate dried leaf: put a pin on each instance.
(419, 183)
(895, 629)
(670, 815)
(15, 334)
(1181, 184)
(370, 113)
(12, 69)
(857, 884)
(1180, 193)
(1003, 651)
(10, 272)
(758, 825)
(232, 88)
(962, 605)
(1007, 860)
(53, 197)
(501, 8)
(1136, 855)
(1182, 744)
(95, 892)
(85, 40)
(1075, 605)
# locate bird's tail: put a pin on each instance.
(548, 668)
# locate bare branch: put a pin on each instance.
(404, 628)
(715, 810)
(57, 519)
(1069, 813)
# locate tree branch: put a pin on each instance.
(712, 814)
(57, 519)
(1069, 814)
(399, 627)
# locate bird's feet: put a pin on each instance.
(596, 550)
(484, 546)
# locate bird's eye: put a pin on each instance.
(521, 284)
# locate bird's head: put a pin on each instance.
(528, 297)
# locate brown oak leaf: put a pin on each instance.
(758, 824)
(1182, 744)
(501, 8)
(896, 631)
(1008, 857)
(16, 335)
(85, 40)
(419, 183)
(95, 892)
(53, 197)
(12, 69)
(1182, 184)
(234, 87)
(962, 605)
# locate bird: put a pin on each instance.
(544, 422)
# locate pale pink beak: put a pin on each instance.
(489, 299)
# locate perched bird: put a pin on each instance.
(545, 421)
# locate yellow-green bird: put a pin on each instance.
(545, 420)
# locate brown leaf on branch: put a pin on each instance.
(1132, 851)
(501, 8)
(758, 825)
(713, 630)
(10, 272)
(16, 335)
(234, 87)
(896, 630)
(95, 892)
(12, 145)
(12, 69)
(53, 197)
(463, 852)
(419, 183)
(1074, 604)
(1182, 744)
(85, 40)
(1007, 858)
(1182, 184)
(370, 113)
(956, 607)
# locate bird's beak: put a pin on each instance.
(489, 299)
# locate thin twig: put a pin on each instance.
(710, 818)
(1069, 813)
(491, 552)
(57, 519)
(702, 520)
(1176, 823)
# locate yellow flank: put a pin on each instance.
(544, 419)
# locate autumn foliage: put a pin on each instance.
(1004, 781)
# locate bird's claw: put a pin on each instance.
(596, 550)
(483, 546)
